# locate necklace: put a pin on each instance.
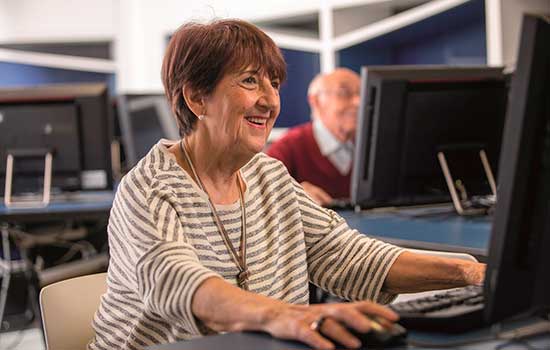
(240, 261)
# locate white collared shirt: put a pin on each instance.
(340, 154)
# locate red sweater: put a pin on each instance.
(299, 151)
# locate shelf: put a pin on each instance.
(96, 65)
(423, 42)
(395, 22)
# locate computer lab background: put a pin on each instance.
(121, 43)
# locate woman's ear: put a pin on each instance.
(194, 101)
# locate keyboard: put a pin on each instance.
(452, 311)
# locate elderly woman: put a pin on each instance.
(207, 234)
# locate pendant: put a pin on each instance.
(242, 279)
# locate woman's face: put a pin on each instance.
(241, 111)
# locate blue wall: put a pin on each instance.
(302, 67)
(456, 37)
(13, 74)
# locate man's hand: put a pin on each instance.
(317, 193)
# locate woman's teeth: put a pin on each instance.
(259, 121)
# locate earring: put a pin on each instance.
(201, 116)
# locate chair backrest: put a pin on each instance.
(68, 308)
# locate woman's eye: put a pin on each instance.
(276, 84)
(250, 80)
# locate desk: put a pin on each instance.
(259, 341)
(405, 227)
(88, 206)
(417, 228)
(84, 206)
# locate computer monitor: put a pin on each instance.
(71, 121)
(144, 119)
(410, 113)
(517, 277)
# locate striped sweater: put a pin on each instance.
(164, 242)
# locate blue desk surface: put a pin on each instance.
(435, 229)
(416, 228)
(84, 205)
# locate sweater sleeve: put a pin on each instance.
(341, 260)
(169, 271)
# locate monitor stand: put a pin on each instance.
(28, 153)
(464, 205)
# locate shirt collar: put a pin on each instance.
(326, 141)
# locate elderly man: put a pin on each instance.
(319, 154)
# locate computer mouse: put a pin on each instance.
(382, 337)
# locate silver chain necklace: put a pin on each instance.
(240, 261)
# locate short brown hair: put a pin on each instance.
(199, 55)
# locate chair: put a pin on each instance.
(68, 308)
(410, 296)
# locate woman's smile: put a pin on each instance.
(258, 122)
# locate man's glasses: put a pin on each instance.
(342, 93)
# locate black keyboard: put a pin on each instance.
(453, 311)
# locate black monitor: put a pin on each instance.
(410, 113)
(517, 278)
(71, 121)
(144, 119)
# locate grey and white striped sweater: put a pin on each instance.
(164, 243)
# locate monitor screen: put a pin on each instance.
(410, 113)
(453, 117)
(517, 278)
(144, 120)
(72, 121)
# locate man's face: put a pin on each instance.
(337, 103)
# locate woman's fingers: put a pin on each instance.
(355, 319)
(361, 316)
(336, 331)
(374, 309)
(295, 323)
(314, 338)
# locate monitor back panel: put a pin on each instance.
(408, 114)
(51, 126)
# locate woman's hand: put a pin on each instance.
(294, 322)
(223, 307)
(474, 273)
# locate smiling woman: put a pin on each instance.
(207, 234)
(240, 111)
(198, 57)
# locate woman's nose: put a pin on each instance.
(269, 97)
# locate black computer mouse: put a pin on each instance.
(380, 337)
